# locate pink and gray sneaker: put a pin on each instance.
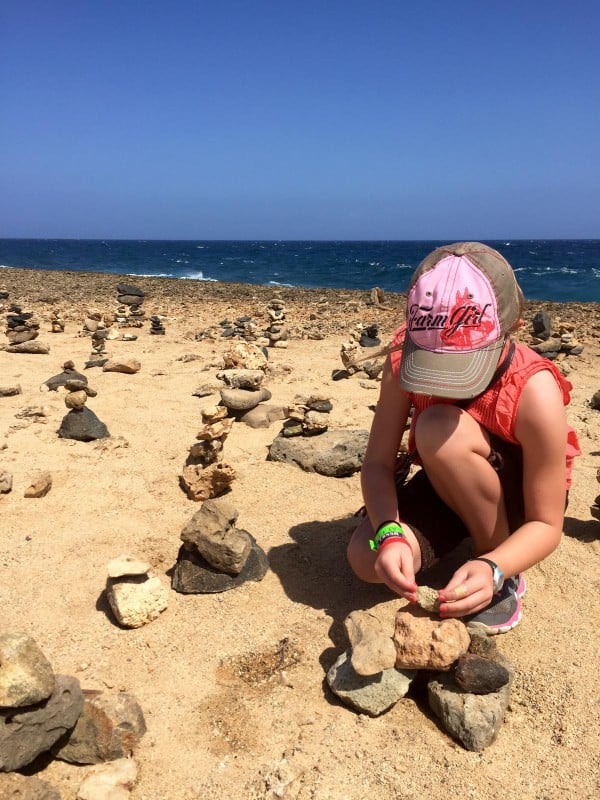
(504, 612)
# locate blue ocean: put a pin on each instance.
(558, 270)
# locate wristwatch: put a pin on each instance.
(497, 574)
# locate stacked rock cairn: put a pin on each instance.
(130, 313)
(276, 333)
(80, 423)
(352, 352)
(136, 597)
(215, 555)
(21, 326)
(57, 322)
(468, 677)
(204, 475)
(555, 345)
(156, 325)
(308, 417)
(41, 712)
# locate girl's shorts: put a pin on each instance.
(437, 528)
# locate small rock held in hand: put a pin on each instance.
(428, 598)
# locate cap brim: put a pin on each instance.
(460, 376)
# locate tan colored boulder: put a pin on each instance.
(425, 643)
(373, 649)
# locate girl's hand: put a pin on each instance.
(394, 565)
(469, 590)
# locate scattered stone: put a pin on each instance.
(111, 726)
(109, 781)
(32, 730)
(373, 650)
(595, 401)
(206, 389)
(242, 399)
(263, 415)
(40, 486)
(250, 379)
(26, 675)
(31, 347)
(372, 694)
(424, 643)
(127, 565)
(369, 336)
(136, 600)
(19, 787)
(128, 366)
(542, 325)
(192, 574)
(211, 533)
(10, 391)
(6, 482)
(428, 598)
(245, 355)
(473, 719)
(334, 453)
(479, 675)
(201, 483)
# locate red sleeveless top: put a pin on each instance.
(496, 408)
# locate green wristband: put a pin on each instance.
(384, 531)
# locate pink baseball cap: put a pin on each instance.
(463, 300)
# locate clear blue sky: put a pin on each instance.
(278, 119)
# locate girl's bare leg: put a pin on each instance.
(454, 449)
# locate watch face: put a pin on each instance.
(498, 579)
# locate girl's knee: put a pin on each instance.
(444, 431)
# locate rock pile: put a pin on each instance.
(205, 475)
(554, 341)
(468, 689)
(276, 333)
(41, 712)
(69, 373)
(129, 312)
(308, 417)
(21, 326)
(241, 328)
(353, 356)
(135, 596)
(215, 555)
(57, 323)
(156, 325)
(80, 423)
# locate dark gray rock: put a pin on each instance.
(35, 729)
(10, 391)
(129, 288)
(110, 726)
(129, 299)
(472, 719)
(368, 694)
(56, 381)
(595, 401)
(82, 425)
(542, 325)
(335, 454)
(479, 675)
(193, 575)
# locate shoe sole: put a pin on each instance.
(512, 622)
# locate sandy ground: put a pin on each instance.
(233, 685)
